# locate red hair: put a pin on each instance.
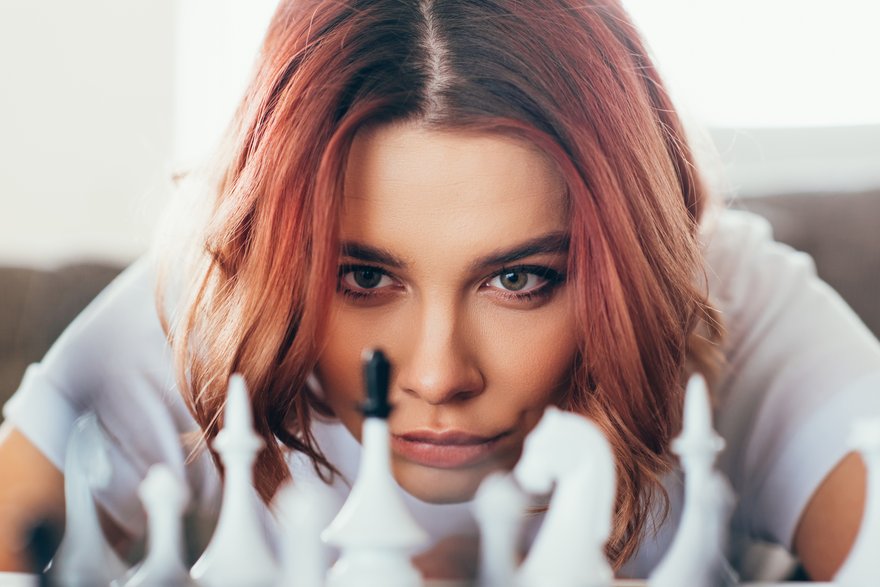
(571, 78)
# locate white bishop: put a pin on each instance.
(238, 553)
(696, 556)
(84, 558)
(164, 497)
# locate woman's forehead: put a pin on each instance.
(407, 184)
(412, 154)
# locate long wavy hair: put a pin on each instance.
(571, 77)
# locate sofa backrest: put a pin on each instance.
(840, 231)
(35, 307)
(842, 234)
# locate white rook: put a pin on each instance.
(238, 553)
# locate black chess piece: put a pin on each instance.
(41, 542)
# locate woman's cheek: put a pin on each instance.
(533, 355)
(349, 333)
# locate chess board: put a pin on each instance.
(239, 554)
(23, 580)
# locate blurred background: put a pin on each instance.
(103, 100)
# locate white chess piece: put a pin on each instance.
(696, 556)
(238, 553)
(498, 507)
(84, 558)
(304, 510)
(862, 566)
(569, 550)
(164, 497)
(374, 530)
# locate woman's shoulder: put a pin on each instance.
(770, 295)
(114, 361)
(112, 351)
(800, 368)
(741, 254)
(118, 333)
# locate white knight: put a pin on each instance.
(569, 550)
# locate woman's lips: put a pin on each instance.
(445, 450)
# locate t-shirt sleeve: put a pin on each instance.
(802, 368)
(112, 360)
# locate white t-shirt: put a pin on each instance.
(802, 368)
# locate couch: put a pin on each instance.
(840, 231)
(35, 307)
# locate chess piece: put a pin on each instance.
(164, 497)
(696, 556)
(42, 539)
(569, 550)
(304, 511)
(238, 553)
(374, 530)
(498, 508)
(84, 558)
(862, 566)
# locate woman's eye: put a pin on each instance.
(514, 280)
(524, 280)
(366, 278)
(363, 278)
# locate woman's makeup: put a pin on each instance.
(453, 260)
(448, 449)
(520, 283)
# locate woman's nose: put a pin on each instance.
(440, 365)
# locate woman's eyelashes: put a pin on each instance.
(522, 283)
(364, 281)
(525, 282)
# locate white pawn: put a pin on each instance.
(238, 553)
(570, 452)
(862, 566)
(84, 559)
(164, 497)
(498, 508)
(304, 511)
(696, 556)
(374, 530)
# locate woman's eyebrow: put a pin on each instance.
(370, 254)
(551, 243)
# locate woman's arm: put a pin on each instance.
(31, 488)
(831, 520)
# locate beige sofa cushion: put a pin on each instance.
(840, 231)
(842, 234)
(35, 307)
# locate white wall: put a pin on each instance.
(767, 63)
(86, 126)
(217, 42)
(770, 160)
(101, 100)
(787, 87)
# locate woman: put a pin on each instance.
(501, 196)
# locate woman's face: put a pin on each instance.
(453, 263)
